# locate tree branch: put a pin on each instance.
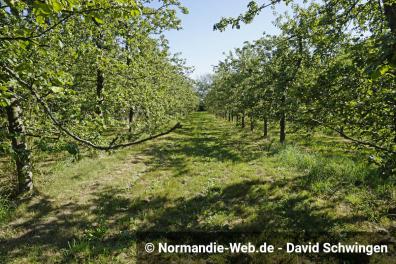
(80, 12)
(59, 125)
(33, 36)
(357, 141)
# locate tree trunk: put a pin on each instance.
(265, 127)
(282, 126)
(390, 14)
(99, 79)
(394, 125)
(99, 92)
(243, 121)
(251, 122)
(130, 119)
(24, 181)
(229, 116)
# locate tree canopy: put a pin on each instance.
(97, 73)
(332, 66)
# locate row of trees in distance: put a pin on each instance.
(332, 65)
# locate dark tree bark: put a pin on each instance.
(99, 92)
(265, 127)
(243, 121)
(251, 122)
(24, 180)
(282, 121)
(390, 14)
(131, 113)
(130, 119)
(99, 79)
(282, 132)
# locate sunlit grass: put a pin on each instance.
(207, 176)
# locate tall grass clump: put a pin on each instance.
(357, 181)
(326, 174)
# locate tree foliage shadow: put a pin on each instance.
(114, 213)
(114, 217)
(207, 145)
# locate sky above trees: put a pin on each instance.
(201, 46)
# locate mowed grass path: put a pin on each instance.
(208, 175)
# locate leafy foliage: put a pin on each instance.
(332, 65)
(97, 71)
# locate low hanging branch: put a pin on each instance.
(357, 141)
(70, 133)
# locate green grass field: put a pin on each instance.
(207, 176)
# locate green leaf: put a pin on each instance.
(384, 69)
(99, 20)
(57, 6)
(40, 8)
(60, 43)
(135, 12)
(380, 71)
(24, 44)
(4, 103)
(57, 89)
(40, 20)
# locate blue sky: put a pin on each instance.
(201, 46)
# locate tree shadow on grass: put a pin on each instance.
(107, 224)
(206, 145)
(45, 227)
(114, 219)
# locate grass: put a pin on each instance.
(5, 209)
(355, 182)
(207, 176)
